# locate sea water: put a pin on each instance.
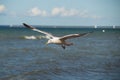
(92, 57)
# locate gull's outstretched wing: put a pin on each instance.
(73, 36)
(34, 29)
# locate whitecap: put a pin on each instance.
(30, 37)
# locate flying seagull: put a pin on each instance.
(57, 40)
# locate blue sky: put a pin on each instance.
(60, 12)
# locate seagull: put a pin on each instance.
(57, 40)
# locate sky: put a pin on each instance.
(60, 12)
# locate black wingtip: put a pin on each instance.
(28, 26)
(24, 24)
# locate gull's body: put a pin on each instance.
(57, 40)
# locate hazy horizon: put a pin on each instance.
(62, 26)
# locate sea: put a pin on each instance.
(25, 56)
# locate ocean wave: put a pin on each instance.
(33, 37)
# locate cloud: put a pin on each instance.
(63, 12)
(37, 12)
(2, 8)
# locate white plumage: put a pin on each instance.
(57, 40)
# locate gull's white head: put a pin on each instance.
(49, 41)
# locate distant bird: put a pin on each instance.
(57, 40)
